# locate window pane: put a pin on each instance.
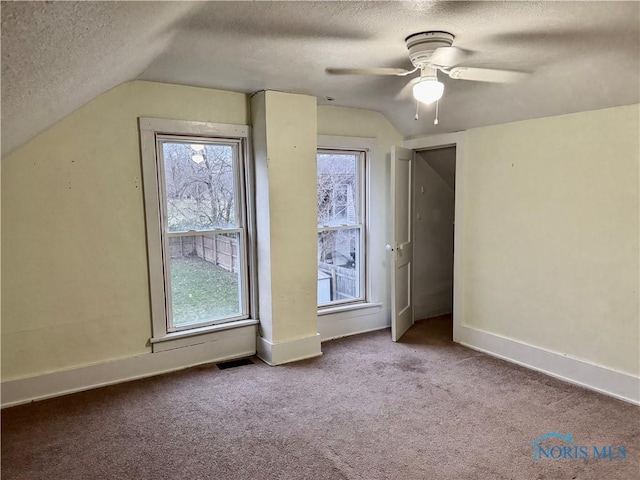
(337, 189)
(200, 186)
(205, 277)
(338, 265)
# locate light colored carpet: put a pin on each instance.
(369, 409)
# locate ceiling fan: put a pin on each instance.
(431, 52)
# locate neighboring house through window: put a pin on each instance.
(341, 226)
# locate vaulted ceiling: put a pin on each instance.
(57, 56)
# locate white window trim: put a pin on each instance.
(150, 128)
(367, 145)
(331, 309)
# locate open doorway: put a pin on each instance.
(433, 234)
(426, 197)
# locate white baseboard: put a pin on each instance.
(228, 344)
(425, 315)
(432, 304)
(353, 322)
(594, 377)
(286, 352)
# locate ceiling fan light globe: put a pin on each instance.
(428, 90)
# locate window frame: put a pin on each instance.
(154, 132)
(363, 148)
(240, 228)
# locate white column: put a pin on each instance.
(284, 146)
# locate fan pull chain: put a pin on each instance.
(435, 121)
(417, 111)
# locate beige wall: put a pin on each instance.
(75, 288)
(550, 229)
(74, 266)
(551, 234)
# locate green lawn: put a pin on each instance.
(202, 291)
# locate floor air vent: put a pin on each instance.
(234, 363)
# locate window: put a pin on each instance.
(197, 222)
(341, 227)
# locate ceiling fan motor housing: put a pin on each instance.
(421, 45)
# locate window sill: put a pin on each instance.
(196, 335)
(348, 308)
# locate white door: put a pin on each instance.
(402, 246)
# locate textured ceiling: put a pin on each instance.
(57, 56)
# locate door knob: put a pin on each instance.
(388, 248)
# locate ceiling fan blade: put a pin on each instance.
(486, 74)
(400, 72)
(448, 56)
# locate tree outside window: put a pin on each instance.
(340, 226)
